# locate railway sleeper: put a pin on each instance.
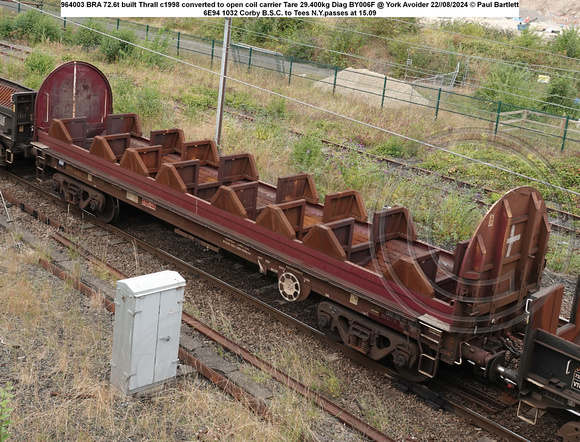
(366, 336)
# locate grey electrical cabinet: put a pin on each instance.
(146, 331)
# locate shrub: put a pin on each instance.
(388, 27)
(261, 30)
(562, 92)
(36, 27)
(6, 27)
(529, 38)
(568, 43)
(512, 84)
(158, 46)
(302, 47)
(392, 147)
(87, 37)
(119, 47)
(145, 100)
(342, 41)
(39, 63)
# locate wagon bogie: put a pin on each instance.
(388, 295)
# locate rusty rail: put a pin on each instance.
(419, 170)
(221, 381)
(418, 389)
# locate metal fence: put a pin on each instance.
(434, 94)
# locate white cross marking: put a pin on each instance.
(511, 240)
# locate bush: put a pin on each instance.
(302, 48)
(262, 30)
(119, 47)
(568, 43)
(158, 46)
(388, 27)
(562, 92)
(145, 100)
(512, 84)
(342, 41)
(87, 37)
(529, 38)
(36, 27)
(39, 63)
(6, 27)
(393, 147)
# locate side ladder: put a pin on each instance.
(40, 163)
(428, 362)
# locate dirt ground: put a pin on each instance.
(552, 7)
(548, 16)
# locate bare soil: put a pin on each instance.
(552, 7)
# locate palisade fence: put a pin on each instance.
(433, 94)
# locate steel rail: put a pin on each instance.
(562, 213)
(217, 378)
(327, 405)
(418, 389)
(321, 401)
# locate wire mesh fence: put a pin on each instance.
(435, 93)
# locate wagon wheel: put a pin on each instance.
(291, 289)
(412, 373)
(110, 212)
(324, 326)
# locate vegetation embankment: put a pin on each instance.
(168, 94)
(55, 369)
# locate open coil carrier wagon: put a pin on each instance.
(389, 295)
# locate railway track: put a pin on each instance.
(438, 399)
(557, 214)
(14, 51)
(284, 378)
(327, 405)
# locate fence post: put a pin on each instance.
(212, 50)
(147, 32)
(384, 89)
(565, 133)
(497, 117)
(335, 74)
(290, 71)
(63, 23)
(250, 59)
(118, 20)
(438, 101)
(178, 40)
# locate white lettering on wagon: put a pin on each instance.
(236, 245)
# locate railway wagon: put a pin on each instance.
(387, 294)
(16, 120)
(549, 370)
